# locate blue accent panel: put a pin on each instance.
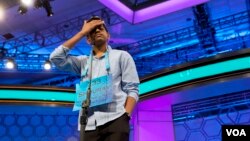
(32, 123)
(198, 124)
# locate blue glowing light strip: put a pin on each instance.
(195, 73)
(41, 95)
(145, 87)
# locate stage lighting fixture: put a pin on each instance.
(48, 8)
(47, 65)
(22, 9)
(38, 4)
(1, 13)
(24, 4)
(10, 64)
(27, 3)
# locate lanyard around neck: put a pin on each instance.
(90, 61)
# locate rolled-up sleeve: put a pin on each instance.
(130, 79)
(62, 60)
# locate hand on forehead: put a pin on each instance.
(97, 22)
(95, 18)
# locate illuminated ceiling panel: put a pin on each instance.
(149, 12)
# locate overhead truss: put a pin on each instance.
(185, 33)
(172, 57)
(56, 33)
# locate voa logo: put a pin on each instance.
(236, 132)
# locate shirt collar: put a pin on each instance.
(108, 49)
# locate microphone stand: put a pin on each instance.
(84, 116)
(85, 106)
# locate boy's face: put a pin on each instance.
(98, 36)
